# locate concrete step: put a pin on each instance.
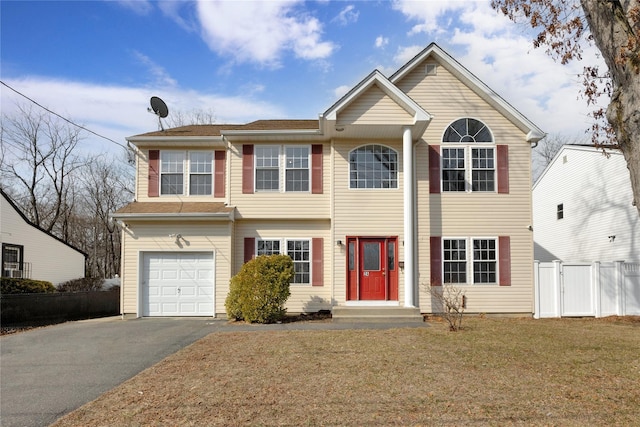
(376, 314)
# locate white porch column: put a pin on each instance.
(409, 205)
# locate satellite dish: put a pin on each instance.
(159, 108)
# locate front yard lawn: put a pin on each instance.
(497, 371)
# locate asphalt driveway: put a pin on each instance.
(48, 372)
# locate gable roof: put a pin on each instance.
(534, 133)
(26, 220)
(603, 150)
(222, 129)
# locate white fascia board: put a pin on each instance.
(174, 216)
(257, 133)
(534, 133)
(376, 77)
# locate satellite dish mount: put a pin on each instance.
(159, 108)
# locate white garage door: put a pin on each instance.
(178, 284)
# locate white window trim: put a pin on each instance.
(282, 168)
(470, 260)
(468, 169)
(283, 251)
(186, 173)
(398, 159)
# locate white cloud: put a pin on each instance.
(340, 91)
(347, 15)
(161, 76)
(120, 111)
(141, 7)
(405, 54)
(500, 53)
(381, 42)
(261, 31)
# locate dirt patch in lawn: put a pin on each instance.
(494, 372)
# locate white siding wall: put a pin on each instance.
(50, 259)
(596, 195)
(154, 237)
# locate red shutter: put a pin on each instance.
(219, 167)
(249, 248)
(503, 168)
(317, 246)
(434, 169)
(436, 260)
(154, 173)
(316, 169)
(247, 168)
(504, 268)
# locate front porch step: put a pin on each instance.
(376, 314)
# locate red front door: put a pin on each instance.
(373, 275)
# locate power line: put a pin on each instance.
(63, 118)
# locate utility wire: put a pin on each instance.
(63, 118)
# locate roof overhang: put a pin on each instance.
(168, 141)
(334, 129)
(175, 211)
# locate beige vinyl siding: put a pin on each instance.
(196, 237)
(142, 180)
(473, 214)
(374, 107)
(364, 212)
(304, 298)
(279, 205)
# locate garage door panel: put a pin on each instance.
(178, 284)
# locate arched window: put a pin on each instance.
(472, 166)
(466, 131)
(373, 166)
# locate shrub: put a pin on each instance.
(261, 288)
(81, 285)
(25, 286)
(450, 304)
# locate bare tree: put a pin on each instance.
(178, 118)
(614, 26)
(106, 187)
(39, 160)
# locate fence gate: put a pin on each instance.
(577, 291)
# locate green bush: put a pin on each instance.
(81, 285)
(25, 286)
(260, 290)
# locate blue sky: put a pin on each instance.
(99, 62)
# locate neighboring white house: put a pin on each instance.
(30, 252)
(583, 208)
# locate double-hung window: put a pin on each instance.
(468, 157)
(172, 172)
(274, 161)
(200, 172)
(298, 249)
(199, 165)
(483, 255)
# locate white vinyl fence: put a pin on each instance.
(598, 289)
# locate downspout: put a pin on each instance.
(409, 244)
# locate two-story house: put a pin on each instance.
(404, 183)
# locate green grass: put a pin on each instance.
(494, 372)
